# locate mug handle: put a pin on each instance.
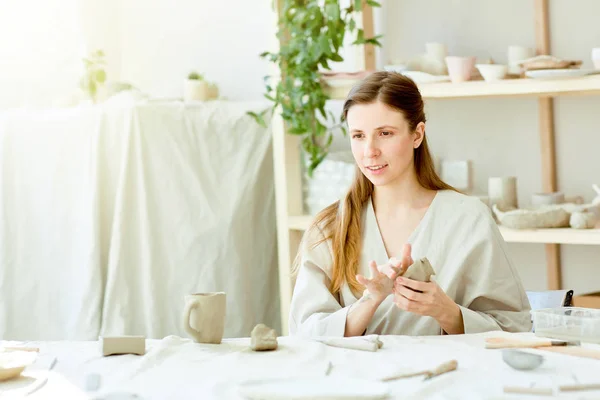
(186, 321)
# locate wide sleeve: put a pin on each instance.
(314, 311)
(491, 295)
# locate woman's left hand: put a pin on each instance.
(428, 299)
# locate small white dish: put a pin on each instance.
(11, 372)
(492, 72)
(395, 68)
(559, 73)
(340, 82)
(324, 388)
(13, 362)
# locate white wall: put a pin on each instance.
(163, 40)
(41, 46)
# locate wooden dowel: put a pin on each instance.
(580, 386)
(528, 390)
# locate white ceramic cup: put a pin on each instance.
(460, 69)
(436, 50)
(596, 57)
(517, 54)
(204, 316)
(502, 191)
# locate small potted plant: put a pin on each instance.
(94, 78)
(195, 88)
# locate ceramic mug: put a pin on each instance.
(503, 192)
(204, 316)
(437, 51)
(517, 54)
(596, 57)
(460, 69)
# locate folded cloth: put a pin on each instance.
(364, 343)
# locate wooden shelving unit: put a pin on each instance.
(288, 174)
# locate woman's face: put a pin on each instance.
(382, 142)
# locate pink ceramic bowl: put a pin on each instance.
(460, 68)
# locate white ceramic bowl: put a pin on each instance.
(492, 72)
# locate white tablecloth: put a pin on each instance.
(111, 214)
(176, 368)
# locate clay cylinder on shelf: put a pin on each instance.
(503, 192)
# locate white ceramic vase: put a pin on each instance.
(502, 191)
(195, 90)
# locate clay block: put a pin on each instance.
(123, 345)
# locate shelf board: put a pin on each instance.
(588, 85)
(558, 235)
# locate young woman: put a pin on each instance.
(398, 208)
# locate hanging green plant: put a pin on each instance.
(311, 33)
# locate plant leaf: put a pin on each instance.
(100, 76)
(258, 118)
(332, 11)
(351, 25)
(336, 57)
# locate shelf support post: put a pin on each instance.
(369, 31)
(546, 126)
(288, 193)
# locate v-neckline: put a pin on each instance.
(373, 221)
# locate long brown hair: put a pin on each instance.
(341, 221)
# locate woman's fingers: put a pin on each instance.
(374, 270)
(407, 260)
(407, 305)
(408, 293)
(362, 280)
(414, 285)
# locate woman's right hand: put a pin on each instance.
(379, 286)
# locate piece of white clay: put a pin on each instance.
(391, 268)
(263, 338)
(583, 220)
